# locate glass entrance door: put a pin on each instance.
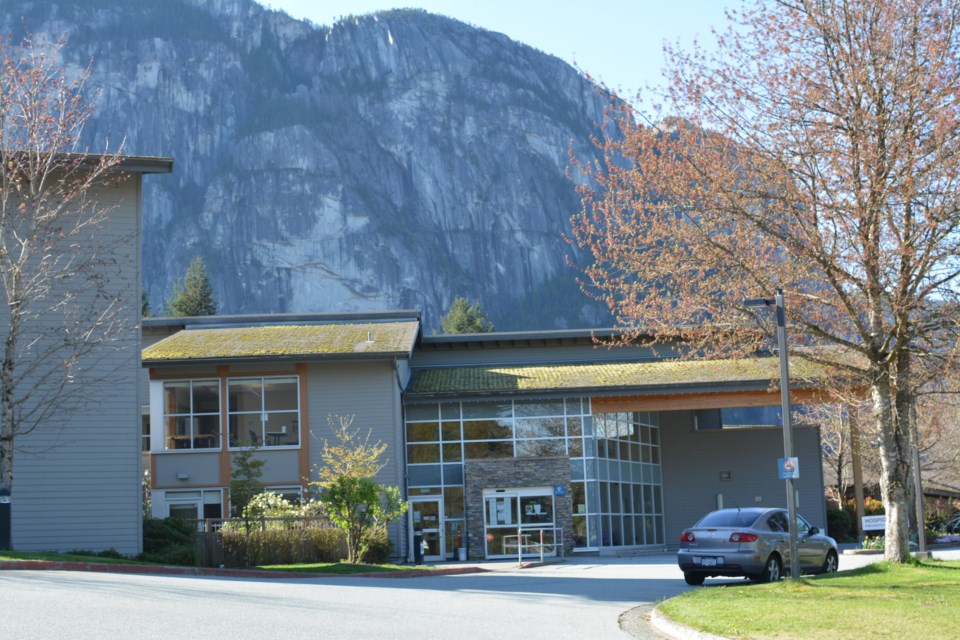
(426, 516)
(515, 518)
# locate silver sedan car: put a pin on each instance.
(753, 543)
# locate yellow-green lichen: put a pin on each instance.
(284, 341)
(601, 375)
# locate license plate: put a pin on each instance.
(711, 562)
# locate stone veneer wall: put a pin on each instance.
(515, 473)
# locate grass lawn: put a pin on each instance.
(63, 557)
(338, 568)
(878, 601)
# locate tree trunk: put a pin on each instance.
(895, 454)
(6, 405)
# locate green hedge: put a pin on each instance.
(282, 546)
(169, 541)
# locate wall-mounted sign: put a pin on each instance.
(874, 523)
(559, 489)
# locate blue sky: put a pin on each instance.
(617, 41)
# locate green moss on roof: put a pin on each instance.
(606, 375)
(391, 338)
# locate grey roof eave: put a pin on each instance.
(626, 390)
(258, 359)
(272, 319)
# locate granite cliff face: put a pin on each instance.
(390, 161)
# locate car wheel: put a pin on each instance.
(771, 570)
(830, 563)
(695, 579)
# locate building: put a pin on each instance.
(77, 476)
(494, 438)
(220, 384)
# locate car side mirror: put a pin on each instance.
(814, 531)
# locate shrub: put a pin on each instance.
(283, 542)
(938, 513)
(838, 524)
(377, 546)
(169, 541)
(873, 542)
(106, 553)
(871, 507)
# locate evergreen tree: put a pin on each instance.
(245, 480)
(144, 305)
(194, 295)
(463, 317)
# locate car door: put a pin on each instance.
(778, 524)
(811, 548)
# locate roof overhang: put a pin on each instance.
(660, 378)
(219, 344)
(145, 164)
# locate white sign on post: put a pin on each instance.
(874, 523)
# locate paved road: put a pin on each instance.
(583, 598)
(580, 599)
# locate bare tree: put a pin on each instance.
(836, 446)
(62, 309)
(818, 152)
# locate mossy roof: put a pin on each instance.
(666, 374)
(285, 341)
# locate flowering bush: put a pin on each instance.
(873, 542)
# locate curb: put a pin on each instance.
(678, 631)
(99, 567)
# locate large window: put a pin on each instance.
(191, 414)
(629, 487)
(440, 437)
(264, 412)
(745, 417)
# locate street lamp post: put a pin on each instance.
(787, 421)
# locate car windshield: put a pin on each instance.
(728, 519)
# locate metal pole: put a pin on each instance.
(6, 520)
(917, 480)
(787, 429)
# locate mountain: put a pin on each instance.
(394, 160)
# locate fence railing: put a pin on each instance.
(547, 541)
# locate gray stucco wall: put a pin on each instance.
(77, 477)
(692, 462)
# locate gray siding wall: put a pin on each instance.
(369, 392)
(203, 469)
(693, 460)
(77, 477)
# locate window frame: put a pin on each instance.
(266, 440)
(192, 417)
